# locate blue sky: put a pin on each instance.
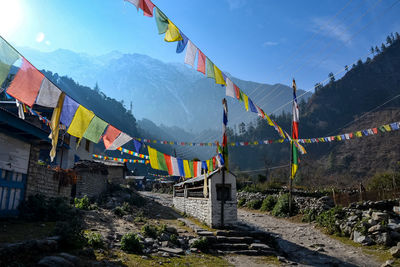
(259, 40)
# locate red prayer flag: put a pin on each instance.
(26, 84)
(110, 135)
(201, 63)
(147, 6)
(375, 130)
(169, 164)
(237, 91)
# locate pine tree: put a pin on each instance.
(372, 50)
(377, 50)
(346, 68)
(331, 77)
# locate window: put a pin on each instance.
(87, 146)
(224, 192)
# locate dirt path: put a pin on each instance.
(303, 243)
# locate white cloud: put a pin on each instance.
(40, 37)
(234, 4)
(270, 43)
(332, 29)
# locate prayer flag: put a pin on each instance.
(181, 168)
(186, 169)
(168, 162)
(137, 145)
(219, 79)
(172, 34)
(80, 122)
(48, 94)
(121, 140)
(252, 107)
(230, 89)
(246, 101)
(191, 167)
(134, 2)
(110, 135)
(161, 21)
(68, 111)
(394, 126)
(95, 130)
(204, 166)
(358, 134)
(147, 7)
(295, 161)
(210, 68)
(387, 127)
(8, 56)
(237, 91)
(153, 157)
(191, 52)
(182, 43)
(162, 165)
(201, 63)
(26, 83)
(54, 126)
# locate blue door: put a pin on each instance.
(12, 188)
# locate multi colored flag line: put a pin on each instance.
(204, 64)
(120, 159)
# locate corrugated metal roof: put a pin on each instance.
(196, 179)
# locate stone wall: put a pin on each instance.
(41, 180)
(91, 184)
(116, 174)
(230, 213)
(195, 207)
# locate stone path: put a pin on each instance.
(303, 244)
(306, 245)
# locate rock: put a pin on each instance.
(191, 241)
(352, 218)
(362, 239)
(394, 235)
(376, 228)
(259, 246)
(51, 261)
(387, 263)
(177, 251)
(171, 230)
(382, 238)
(394, 226)
(205, 233)
(70, 258)
(165, 244)
(149, 241)
(163, 237)
(379, 216)
(128, 218)
(372, 222)
(395, 251)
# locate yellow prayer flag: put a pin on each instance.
(219, 79)
(269, 120)
(186, 168)
(172, 34)
(153, 157)
(359, 134)
(80, 122)
(246, 101)
(387, 127)
(54, 125)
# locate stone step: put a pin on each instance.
(205, 233)
(230, 246)
(249, 252)
(231, 233)
(235, 239)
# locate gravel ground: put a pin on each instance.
(303, 244)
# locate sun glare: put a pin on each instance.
(11, 16)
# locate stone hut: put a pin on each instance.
(116, 171)
(206, 201)
(92, 178)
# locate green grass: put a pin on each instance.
(187, 260)
(16, 231)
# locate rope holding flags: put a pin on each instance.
(96, 156)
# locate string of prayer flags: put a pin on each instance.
(130, 152)
(8, 56)
(48, 94)
(68, 111)
(201, 62)
(26, 84)
(120, 159)
(95, 130)
(172, 34)
(161, 21)
(80, 122)
(110, 136)
(191, 52)
(182, 43)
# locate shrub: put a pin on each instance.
(70, 232)
(281, 208)
(82, 203)
(119, 211)
(268, 203)
(95, 240)
(328, 218)
(254, 204)
(126, 207)
(201, 244)
(309, 215)
(130, 242)
(174, 239)
(241, 202)
(150, 231)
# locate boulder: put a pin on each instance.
(395, 251)
(51, 261)
(394, 235)
(372, 222)
(171, 230)
(128, 218)
(376, 228)
(362, 239)
(149, 241)
(379, 216)
(394, 226)
(352, 218)
(382, 238)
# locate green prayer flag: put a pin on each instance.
(161, 21)
(295, 161)
(95, 129)
(210, 69)
(382, 129)
(162, 165)
(191, 167)
(7, 57)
